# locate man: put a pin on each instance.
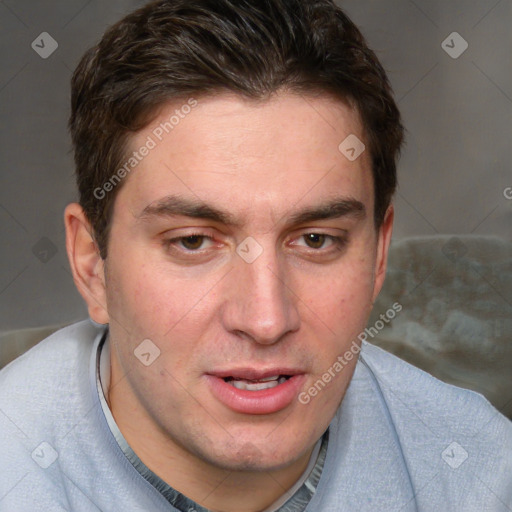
(236, 162)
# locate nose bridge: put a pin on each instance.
(261, 305)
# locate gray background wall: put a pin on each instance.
(454, 172)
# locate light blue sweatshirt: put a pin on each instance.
(401, 441)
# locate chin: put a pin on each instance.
(249, 456)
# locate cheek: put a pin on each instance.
(136, 297)
(145, 305)
(341, 295)
(152, 302)
(337, 311)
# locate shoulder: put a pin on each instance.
(447, 434)
(59, 355)
(401, 382)
(44, 383)
(44, 395)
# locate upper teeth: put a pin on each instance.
(266, 383)
(266, 379)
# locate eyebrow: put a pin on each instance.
(333, 209)
(172, 206)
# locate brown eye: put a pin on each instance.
(192, 242)
(314, 240)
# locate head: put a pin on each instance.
(176, 50)
(242, 239)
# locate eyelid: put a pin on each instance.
(331, 233)
(186, 231)
(171, 241)
(333, 238)
(203, 237)
(175, 240)
(338, 243)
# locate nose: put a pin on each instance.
(260, 304)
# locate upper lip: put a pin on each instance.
(254, 374)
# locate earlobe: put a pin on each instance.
(385, 232)
(86, 263)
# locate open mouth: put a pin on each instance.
(250, 391)
(257, 385)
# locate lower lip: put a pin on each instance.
(265, 401)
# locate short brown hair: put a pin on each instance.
(171, 49)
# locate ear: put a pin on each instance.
(384, 240)
(86, 263)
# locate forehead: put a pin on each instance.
(244, 154)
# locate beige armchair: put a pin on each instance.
(456, 317)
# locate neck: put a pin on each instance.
(212, 487)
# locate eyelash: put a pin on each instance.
(337, 243)
(171, 241)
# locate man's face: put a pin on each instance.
(243, 246)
